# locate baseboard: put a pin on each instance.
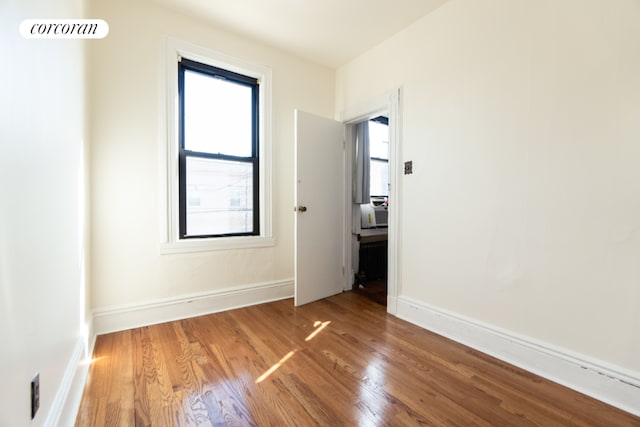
(392, 305)
(616, 386)
(115, 319)
(69, 394)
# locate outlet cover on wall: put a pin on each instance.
(35, 395)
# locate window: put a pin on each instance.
(218, 155)
(217, 180)
(379, 152)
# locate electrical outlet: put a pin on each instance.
(35, 395)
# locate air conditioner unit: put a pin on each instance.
(373, 216)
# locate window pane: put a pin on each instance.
(379, 175)
(378, 140)
(217, 115)
(219, 197)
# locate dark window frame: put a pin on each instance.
(185, 64)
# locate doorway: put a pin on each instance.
(371, 198)
(387, 105)
(336, 271)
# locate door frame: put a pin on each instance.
(388, 104)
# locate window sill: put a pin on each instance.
(215, 244)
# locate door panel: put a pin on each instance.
(319, 216)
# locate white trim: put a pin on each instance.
(221, 243)
(66, 402)
(611, 384)
(169, 240)
(394, 259)
(364, 111)
(113, 319)
(388, 104)
(348, 274)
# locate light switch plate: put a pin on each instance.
(408, 167)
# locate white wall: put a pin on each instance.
(42, 213)
(127, 87)
(522, 119)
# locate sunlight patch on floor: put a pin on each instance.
(275, 367)
(320, 326)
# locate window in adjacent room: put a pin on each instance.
(379, 153)
(218, 152)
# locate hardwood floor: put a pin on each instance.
(375, 290)
(338, 362)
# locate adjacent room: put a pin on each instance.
(419, 212)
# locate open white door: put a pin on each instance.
(319, 198)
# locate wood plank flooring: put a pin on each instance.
(375, 290)
(338, 362)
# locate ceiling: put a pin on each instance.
(329, 32)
